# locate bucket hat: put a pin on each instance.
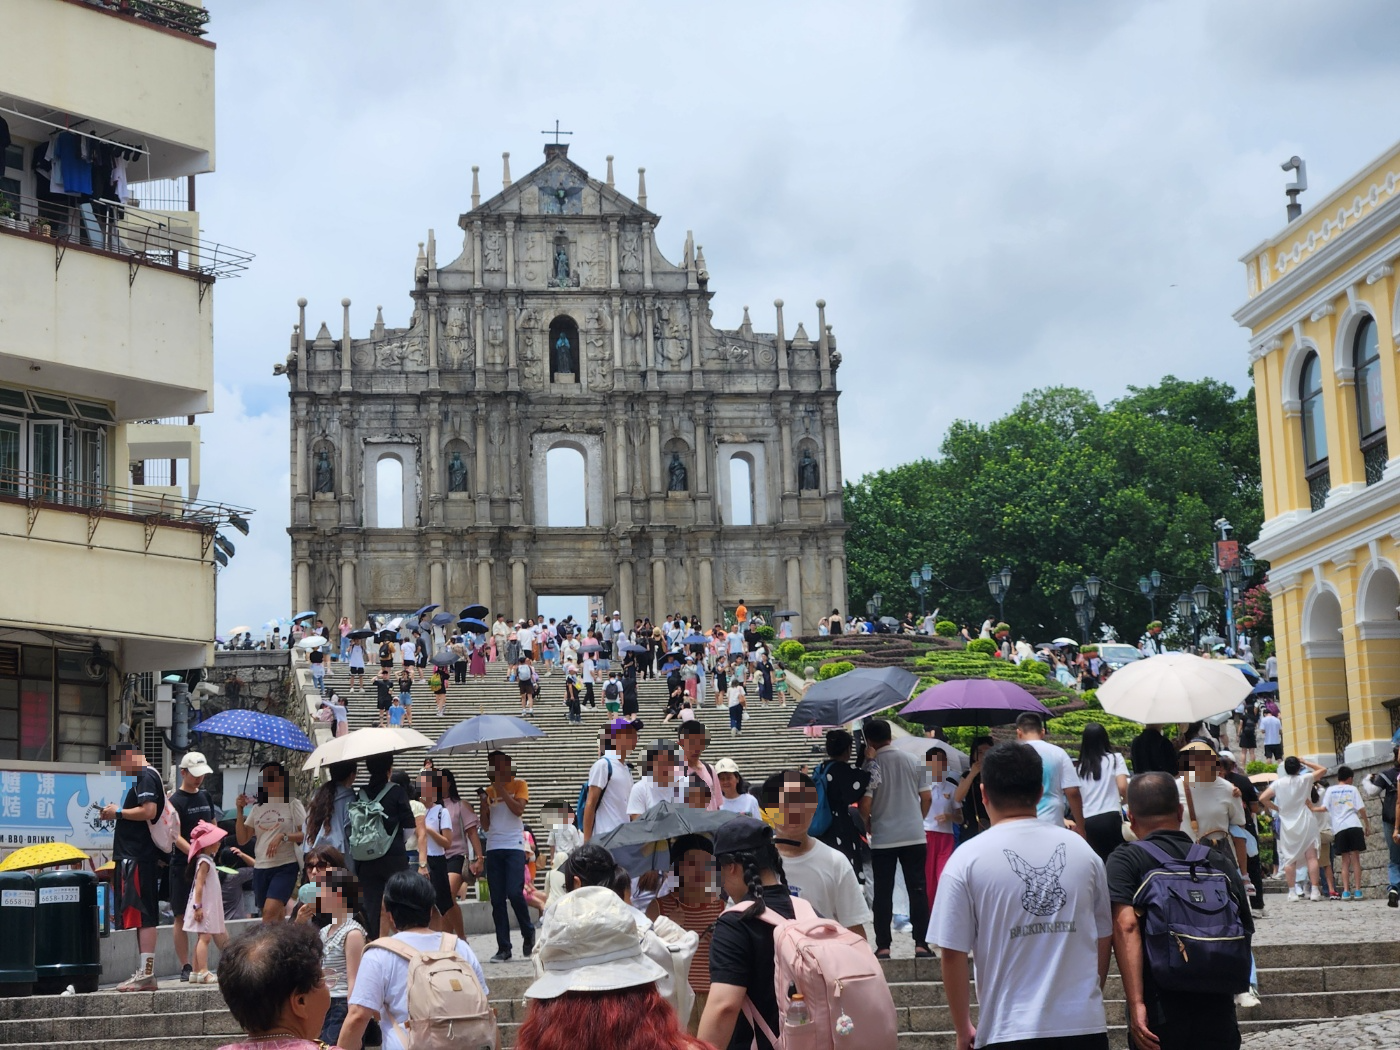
(590, 943)
(203, 834)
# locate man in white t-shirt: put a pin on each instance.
(1029, 901)
(590, 674)
(1347, 809)
(526, 637)
(895, 803)
(820, 875)
(659, 782)
(1060, 784)
(381, 983)
(1271, 729)
(610, 781)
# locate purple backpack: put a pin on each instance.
(1192, 935)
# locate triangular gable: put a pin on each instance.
(561, 180)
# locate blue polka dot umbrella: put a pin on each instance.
(254, 725)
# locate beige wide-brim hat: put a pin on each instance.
(590, 943)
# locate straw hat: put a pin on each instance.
(590, 943)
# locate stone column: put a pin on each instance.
(789, 486)
(704, 506)
(626, 589)
(436, 579)
(794, 582)
(478, 331)
(517, 588)
(299, 485)
(303, 588)
(510, 253)
(434, 457)
(697, 377)
(510, 306)
(646, 263)
(349, 442)
(658, 588)
(513, 440)
(838, 584)
(477, 273)
(349, 605)
(654, 447)
(649, 332)
(346, 377)
(780, 345)
(823, 347)
(829, 481)
(483, 583)
(709, 613)
(432, 341)
(613, 279)
(301, 347)
(620, 479)
(616, 331)
(482, 485)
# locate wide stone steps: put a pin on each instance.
(1298, 984)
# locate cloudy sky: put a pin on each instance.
(990, 197)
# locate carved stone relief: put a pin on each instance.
(593, 262)
(528, 350)
(493, 252)
(534, 265)
(671, 331)
(631, 252)
(457, 339)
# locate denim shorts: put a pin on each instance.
(276, 883)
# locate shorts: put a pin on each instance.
(276, 883)
(456, 865)
(1348, 840)
(406, 699)
(383, 703)
(135, 891)
(179, 886)
(527, 687)
(1247, 739)
(1274, 751)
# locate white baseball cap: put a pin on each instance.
(195, 765)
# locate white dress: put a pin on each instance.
(1297, 828)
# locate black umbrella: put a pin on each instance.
(426, 608)
(475, 626)
(787, 612)
(446, 658)
(645, 844)
(474, 612)
(363, 632)
(855, 694)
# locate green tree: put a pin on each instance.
(1057, 489)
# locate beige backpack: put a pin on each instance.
(447, 1008)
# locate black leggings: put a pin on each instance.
(437, 873)
(1104, 832)
(373, 875)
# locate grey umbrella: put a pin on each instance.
(645, 844)
(855, 694)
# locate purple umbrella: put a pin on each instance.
(973, 702)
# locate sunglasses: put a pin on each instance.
(317, 865)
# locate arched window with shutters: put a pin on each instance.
(1314, 432)
(1370, 400)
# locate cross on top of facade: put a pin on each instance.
(556, 133)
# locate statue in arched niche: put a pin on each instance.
(679, 477)
(325, 473)
(562, 359)
(807, 474)
(456, 473)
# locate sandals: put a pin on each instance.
(882, 953)
(924, 953)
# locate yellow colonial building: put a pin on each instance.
(107, 553)
(1324, 326)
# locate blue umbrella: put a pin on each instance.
(694, 639)
(485, 731)
(426, 608)
(475, 626)
(443, 619)
(1266, 689)
(310, 614)
(254, 725)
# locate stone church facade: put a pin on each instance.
(560, 324)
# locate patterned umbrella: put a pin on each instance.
(42, 856)
(254, 725)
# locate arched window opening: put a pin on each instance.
(1370, 400)
(566, 489)
(388, 491)
(1314, 432)
(741, 497)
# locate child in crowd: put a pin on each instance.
(396, 712)
(943, 815)
(204, 914)
(735, 790)
(693, 905)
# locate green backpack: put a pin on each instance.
(369, 839)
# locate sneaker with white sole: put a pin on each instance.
(1294, 896)
(1316, 894)
(1392, 899)
(139, 982)
(1247, 1000)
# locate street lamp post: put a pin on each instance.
(873, 605)
(998, 584)
(1192, 608)
(919, 580)
(1150, 585)
(1084, 595)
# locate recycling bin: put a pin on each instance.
(66, 946)
(17, 945)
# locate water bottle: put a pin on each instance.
(797, 1012)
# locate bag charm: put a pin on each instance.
(844, 1025)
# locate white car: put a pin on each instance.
(1118, 655)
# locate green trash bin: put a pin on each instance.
(66, 946)
(17, 945)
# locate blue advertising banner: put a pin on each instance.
(57, 807)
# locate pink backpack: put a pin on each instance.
(838, 976)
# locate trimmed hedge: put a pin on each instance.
(945, 629)
(789, 652)
(832, 669)
(985, 646)
(765, 633)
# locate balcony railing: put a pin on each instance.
(1374, 457)
(41, 492)
(1319, 486)
(168, 14)
(138, 237)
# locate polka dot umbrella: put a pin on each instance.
(254, 725)
(43, 855)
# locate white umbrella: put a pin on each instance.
(1173, 687)
(394, 624)
(312, 641)
(918, 746)
(1064, 641)
(244, 629)
(371, 740)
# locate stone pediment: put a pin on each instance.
(559, 188)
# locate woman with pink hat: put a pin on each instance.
(204, 914)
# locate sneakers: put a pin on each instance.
(185, 972)
(1247, 1000)
(1344, 896)
(1316, 894)
(1392, 899)
(1356, 895)
(204, 977)
(139, 982)
(1294, 895)
(501, 956)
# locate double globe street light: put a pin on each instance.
(1192, 609)
(998, 584)
(1150, 585)
(920, 580)
(1084, 595)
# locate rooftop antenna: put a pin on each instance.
(1297, 186)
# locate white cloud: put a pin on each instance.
(990, 197)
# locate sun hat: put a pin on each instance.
(1199, 745)
(195, 764)
(203, 834)
(590, 943)
(726, 765)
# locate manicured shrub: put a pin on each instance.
(790, 652)
(982, 645)
(945, 629)
(831, 670)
